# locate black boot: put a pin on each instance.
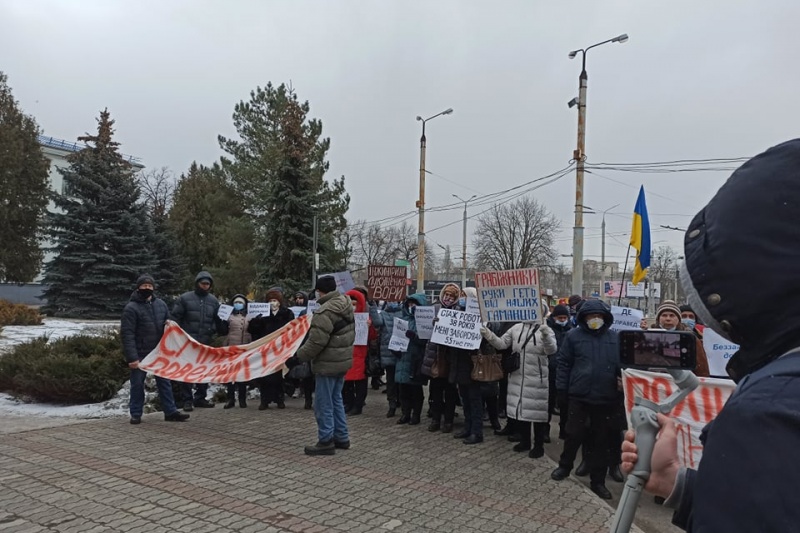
(405, 417)
(392, 410)
(321, 448)
(230, 403)
(447, 427)
(309, 403)
(601, 490)
(415, 419)
(583, 469)
(242, 401)
(506, 431)
(615, 473)
(435, 425)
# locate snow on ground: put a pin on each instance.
(57, 329)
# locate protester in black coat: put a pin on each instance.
(196, 312)
(271, 387)
(559, 321)
(749, 473)
(143, 322)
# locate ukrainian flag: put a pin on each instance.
(640, 238)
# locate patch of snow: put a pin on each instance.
(54, 328)
(116, 406)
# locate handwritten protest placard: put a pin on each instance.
(257, 308)
(692, 414)
(387, 282)
(344, 281)
(423, 316)
(473, 307)
(362, 329)
(179, 357)
(297, 309)
(313, 305)
(626, 318)
(509, 295)
(225, 311)
(399, 341)
(719, 351)
(457, 329)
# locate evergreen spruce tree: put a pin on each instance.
(278, 167)
(24, 191)
(103, 238)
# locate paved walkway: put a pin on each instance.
(243, 470)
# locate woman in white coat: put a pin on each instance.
(527, 401)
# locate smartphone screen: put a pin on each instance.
(658, 349)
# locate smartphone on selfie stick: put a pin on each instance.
(654, 349)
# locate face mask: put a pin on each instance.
(562, 322)
(238, 306)
(145, 293)
(412, 309)
(689, 322)
(462, 302)
(595, 323)
(316, 293)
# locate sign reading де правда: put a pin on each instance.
(509, 295)
(386, 282)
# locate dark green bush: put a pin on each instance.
(79, 369)
(12, 314)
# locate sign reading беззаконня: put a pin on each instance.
(509, 295)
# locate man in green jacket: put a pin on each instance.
(329, 348)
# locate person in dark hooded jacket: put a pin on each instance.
(271, 387)
(196, 313)
(747, 478)
(559, 321)
(408, 369)
(383, 321)
(143, 322)
(587, 380)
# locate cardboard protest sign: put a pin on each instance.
(509, 295)
(179, 357)
(344, 281)
(225, 311)
(362, 329)
(297, 309)
(313, 305)
(473, 307)
(399, 341)
(423, 316)
(457, 329)
(258, 308)
(626, 318)
(692, 414)
(387, 282)
(719, 351)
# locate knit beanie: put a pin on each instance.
(668, 305)
(560, 310)
(145, 278)
(326, 284)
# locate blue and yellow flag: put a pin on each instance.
(640, 238)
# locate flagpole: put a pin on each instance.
(622, 284)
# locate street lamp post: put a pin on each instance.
(464, 242)
(421, 203)
(580, 156)
(603, 257)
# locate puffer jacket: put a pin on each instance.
(235, 328)
(528, 387)
(560, 332)
(142, 326)
(588, 360)
(196, 312)
(383, 321)
(701, 369)
(359, 369)
(409, 364)
(264, 325)
(329, 344)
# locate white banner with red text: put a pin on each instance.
(179, 357)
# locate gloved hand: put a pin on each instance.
(546, 330)
(485, 332)
(411, 335)
(292, 362)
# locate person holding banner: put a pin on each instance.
(443, 394)
(271, 387)
(141, 329)
(329, 349)
(407, 372)
(354, 392)
(196, 312)
(528, 386)
(236, 330)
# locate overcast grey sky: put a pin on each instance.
(716, 78)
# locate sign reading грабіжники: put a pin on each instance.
(509, 295)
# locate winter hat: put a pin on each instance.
(273, 294)
(239, 298)
(560, 310)
(668, 305)
(688, 309)
(326, 284)
(747, 228)
(574, 300)
(471, 292)
(450, 288)
(145, 278)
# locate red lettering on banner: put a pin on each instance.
(195, 373)
(170, 330)
(163, 361)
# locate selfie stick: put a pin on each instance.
(645, 426)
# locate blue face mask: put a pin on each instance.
(689, 322)
(462, 302)
(238, 306)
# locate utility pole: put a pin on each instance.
(603, 257)
(314, 254)
(579, 155)
(421, 203)
(464, 242)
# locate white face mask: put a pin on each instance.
(562, 322)
(274, 305)
(595, 323)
